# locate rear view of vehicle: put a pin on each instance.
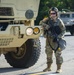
(68, 19)
(19, 38)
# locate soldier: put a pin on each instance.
(59, 29)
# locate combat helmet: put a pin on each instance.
(54, 9)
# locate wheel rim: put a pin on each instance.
(20, 52)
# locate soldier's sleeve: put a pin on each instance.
(43, 23)
(44, 26)
(63, 29)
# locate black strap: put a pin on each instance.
(53, 33)
(51, 45)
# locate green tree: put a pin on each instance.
(45, 5)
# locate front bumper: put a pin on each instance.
(15, 35)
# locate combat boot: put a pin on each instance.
(48, 68)
(59, 68)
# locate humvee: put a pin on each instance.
(68, 19)
(19, 36)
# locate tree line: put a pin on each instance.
(45, 5)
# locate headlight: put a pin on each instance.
(36, 30)
(29, 31)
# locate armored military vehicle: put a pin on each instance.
(19, 36)
(68, 19)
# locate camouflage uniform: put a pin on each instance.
(49, 51)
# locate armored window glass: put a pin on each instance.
(64, 15)
(72, 15)
(6, 11)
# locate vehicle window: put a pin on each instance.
(72, 15)
(64, 15)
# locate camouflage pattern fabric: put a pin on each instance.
(49, 51)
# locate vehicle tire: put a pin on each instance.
(72, 30)
(27, 56)
(72, 33)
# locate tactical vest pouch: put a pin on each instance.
(57, 30)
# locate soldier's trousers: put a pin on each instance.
(49, 52)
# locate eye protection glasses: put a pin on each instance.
(52, 13)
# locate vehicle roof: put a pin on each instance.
(66, 12)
